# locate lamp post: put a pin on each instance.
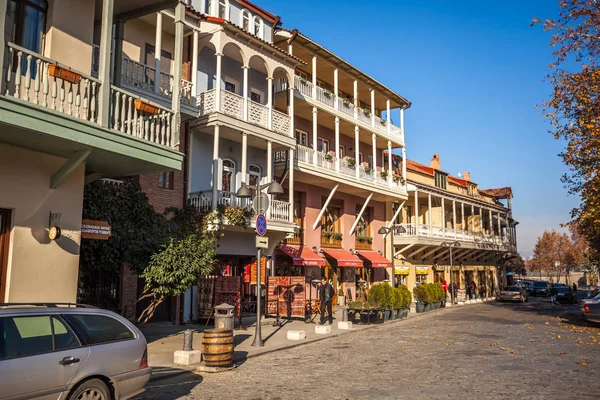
(451, 245)
(244, 192)
(384, 230)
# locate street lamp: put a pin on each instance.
(384, 230)
(245, 192)
(451, 245)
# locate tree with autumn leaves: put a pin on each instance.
(557, 254)
(574, 111)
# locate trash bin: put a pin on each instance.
(224, 316)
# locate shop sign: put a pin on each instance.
(402, 270)
(263, 271)
(422, 270)
(91, 229)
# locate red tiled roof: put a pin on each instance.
(410, 164)
(458, 181)
(498, 193)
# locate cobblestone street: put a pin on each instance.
(480, 351)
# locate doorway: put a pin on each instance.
(4, 240)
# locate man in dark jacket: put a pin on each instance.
(326, 295)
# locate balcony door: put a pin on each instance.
(4, 238)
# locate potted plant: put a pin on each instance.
(327, 234)
(368, 170)
(383, 121)
(298, 230)
(351, 162)
(383, 174)
(420, 294)
(328, 157)
(367, 112)
(407, 299)
(303, 80)
(354, 311)
(327, 93)
(369, 239)
(346, 102)
(361, 238)
(337, 236)
(381, 294)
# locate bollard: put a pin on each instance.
(188, 338)
(344, 313)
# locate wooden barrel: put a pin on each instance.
(217, 348)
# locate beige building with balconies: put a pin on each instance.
(450, 229)
(67, 119)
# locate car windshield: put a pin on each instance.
(540, 284)
(512, 289)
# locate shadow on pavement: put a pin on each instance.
(170, 384)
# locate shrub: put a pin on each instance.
(429, 293)
(397, 299)
(406, 295)
(420, 294)
(381, 295)
(439, 292)
(355, 304)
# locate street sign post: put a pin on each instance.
(262, 242)
(261, 225)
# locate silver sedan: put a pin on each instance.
(513, 293)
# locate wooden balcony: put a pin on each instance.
(332, 240)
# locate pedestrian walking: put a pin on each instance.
(445, 287)
(472, 289)
(326, 295)
(453, 289)
(574, 288)
(553, 293)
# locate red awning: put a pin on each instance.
(343, 258)
(374, 259)
(303, 256)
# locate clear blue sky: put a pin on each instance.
(473, 70)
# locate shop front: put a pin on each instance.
(375, 266)
(401, 273)
(346, 272)
(421, 275)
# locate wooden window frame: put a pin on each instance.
(171, 178)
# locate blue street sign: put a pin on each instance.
(261, 224)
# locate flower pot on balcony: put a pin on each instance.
(64, 74)
(143, 106)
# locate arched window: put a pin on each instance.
(223, 9)
(258, 24)
(255, 174)
(245, 22)
(228, 176)
(26, 22)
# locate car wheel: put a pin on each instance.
(93, 389)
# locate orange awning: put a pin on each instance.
(374, 260)
(343, 257)
(303, 256)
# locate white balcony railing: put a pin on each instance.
(347, 169)
(281, 122)
(325, 97)
(202, 201)
(233, 104)
(345, 106)
(303, 86)
(366, 173)
(126, 118)
(46, 83)
(438, 232)
(257, 113)
(326, 161)
(304, 154)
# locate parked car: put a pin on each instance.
(565, 294)
(513, 293)
(590, 309)
(69, 352)
(540, 288)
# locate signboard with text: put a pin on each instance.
(91, 229)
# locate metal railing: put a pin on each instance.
(202, 201)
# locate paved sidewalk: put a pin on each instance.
(165, 339)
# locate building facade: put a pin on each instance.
(68, 118)
(451, 230)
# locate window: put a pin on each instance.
(165, 179)
(254, 177)
(360, 158)
(440, 179)
(96, 329)
(302, 138)
(323, 145)
(362, 227)
(256, 95)
(245, 23)
(26, 336)
(209, 5)
(370, 161)
(258, 27)
(223, 9)
(231, 85)
(26, 22)
(421, 279)
(342, 151)
(228, 176)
